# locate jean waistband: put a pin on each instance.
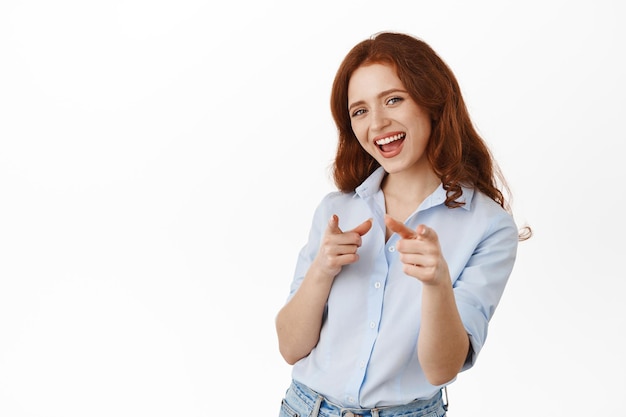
(325, 407)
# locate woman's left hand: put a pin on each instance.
(420, 252)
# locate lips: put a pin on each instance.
(390, 145)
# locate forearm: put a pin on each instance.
(443, 343)
(299, 322)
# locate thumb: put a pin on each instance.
(363, 227)
(333, 225)
(425, 232)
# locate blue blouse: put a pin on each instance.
(367, 352)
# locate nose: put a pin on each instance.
(379, 119)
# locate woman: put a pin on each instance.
(407, 261)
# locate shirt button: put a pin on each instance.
(372, 324)
(362, 364)
(392, 248)
(377, 285)
(351, 401)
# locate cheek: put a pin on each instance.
(360, 134)
(361, 142)
(366, 145)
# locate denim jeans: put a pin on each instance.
(301, 401)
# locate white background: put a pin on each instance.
(160, 162)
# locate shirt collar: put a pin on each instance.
(371, 186)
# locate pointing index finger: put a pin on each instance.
(400, 228)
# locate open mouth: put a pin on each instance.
(390, 143)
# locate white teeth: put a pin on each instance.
(390, 139)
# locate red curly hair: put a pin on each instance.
(457, 153)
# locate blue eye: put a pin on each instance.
(358, 112)
(394, 100)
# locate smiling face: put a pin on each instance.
(388, 123)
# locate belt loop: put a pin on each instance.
(446, 402)
(374, 412)
(316, 408)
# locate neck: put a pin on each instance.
(409, 187)
(404, 193)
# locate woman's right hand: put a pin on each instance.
(299, 322)
(339, 248)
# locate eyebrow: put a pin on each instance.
(380, 95)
